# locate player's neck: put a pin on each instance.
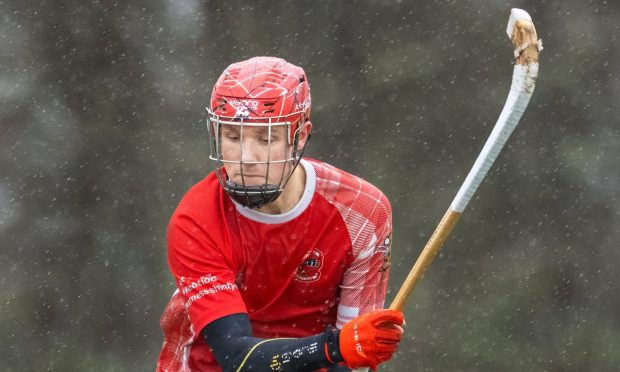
(291, 194)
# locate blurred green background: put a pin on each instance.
(102, 131)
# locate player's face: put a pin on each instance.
(246, 160)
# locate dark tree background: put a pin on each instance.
(102, 132)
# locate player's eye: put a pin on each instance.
(274, 138)
(232, 136)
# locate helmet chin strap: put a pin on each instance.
(252, 197)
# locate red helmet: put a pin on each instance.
(263, 87)
(262, 91)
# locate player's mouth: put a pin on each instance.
(248, 179)
(250, 176)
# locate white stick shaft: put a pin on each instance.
(523, 80)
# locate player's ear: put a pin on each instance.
(304, 133)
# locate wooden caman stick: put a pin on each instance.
(521, 31)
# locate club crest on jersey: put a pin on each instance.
(386, 248)
(310, 268)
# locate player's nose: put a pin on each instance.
(249, 152)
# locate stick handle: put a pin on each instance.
(426, 257)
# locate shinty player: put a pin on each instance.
(271, 250)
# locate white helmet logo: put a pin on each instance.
(243, 107)
(242, 112)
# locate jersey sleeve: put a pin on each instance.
(204, 272)
(364, 284)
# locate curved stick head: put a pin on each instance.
(522, 32)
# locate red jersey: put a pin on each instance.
(323, 262)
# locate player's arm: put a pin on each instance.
(364, 284)
(364, 342)
(235, 349)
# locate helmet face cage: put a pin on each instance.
(255, 196)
